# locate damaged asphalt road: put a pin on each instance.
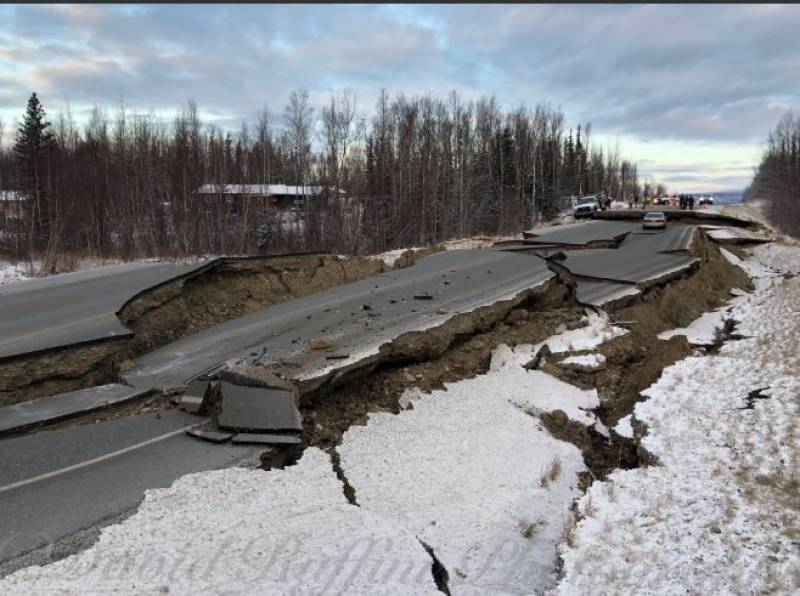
(109, 465)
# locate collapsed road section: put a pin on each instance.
(410, 330)
(308, 338)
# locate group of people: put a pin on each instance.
(686, 201)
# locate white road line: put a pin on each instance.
(90, 462)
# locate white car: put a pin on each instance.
(654, 220)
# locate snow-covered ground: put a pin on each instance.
(720, 513)
(12, 273)
(467, 471)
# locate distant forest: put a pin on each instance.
(777, 179)
(416, 171)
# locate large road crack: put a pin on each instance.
(440, 575)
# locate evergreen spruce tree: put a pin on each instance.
(32, 149)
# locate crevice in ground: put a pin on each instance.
(347, 488)
(440, 575)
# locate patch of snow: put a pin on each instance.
(624, 427)
(719, 512)
(477, 242)
(13, 273)
(602, 429)
(587, 361)
(596, 331)
(703, 330)
(244, 531)
(390, 256)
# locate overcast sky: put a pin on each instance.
(690, 92)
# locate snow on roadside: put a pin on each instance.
(244, 531)
(12, 273)
(720, 512)
(703, 330)
(390, 256)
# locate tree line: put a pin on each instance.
(414, 171)
(777, 178)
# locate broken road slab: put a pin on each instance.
(75, 308)
(735, 236)
(673, 239)
(580, 233)
(258, 408)
(57, 483)
(632, 266)
(49, 410)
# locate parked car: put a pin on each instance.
(654, 220)
(706, 200)
(586, 206)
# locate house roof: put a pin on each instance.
(7, 196)
(260, 189)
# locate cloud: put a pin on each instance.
(663, 73)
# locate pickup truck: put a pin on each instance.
(586, 206)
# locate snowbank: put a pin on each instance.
(12, 273)
(720, 512)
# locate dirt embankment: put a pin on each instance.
(231, 289)
(234, 289)
(40, 375)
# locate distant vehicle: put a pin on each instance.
(587, 206)
(655, 220)
(709, 200)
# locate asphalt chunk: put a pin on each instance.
(258, 409)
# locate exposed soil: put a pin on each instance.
(46, 374)
(234, 289)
